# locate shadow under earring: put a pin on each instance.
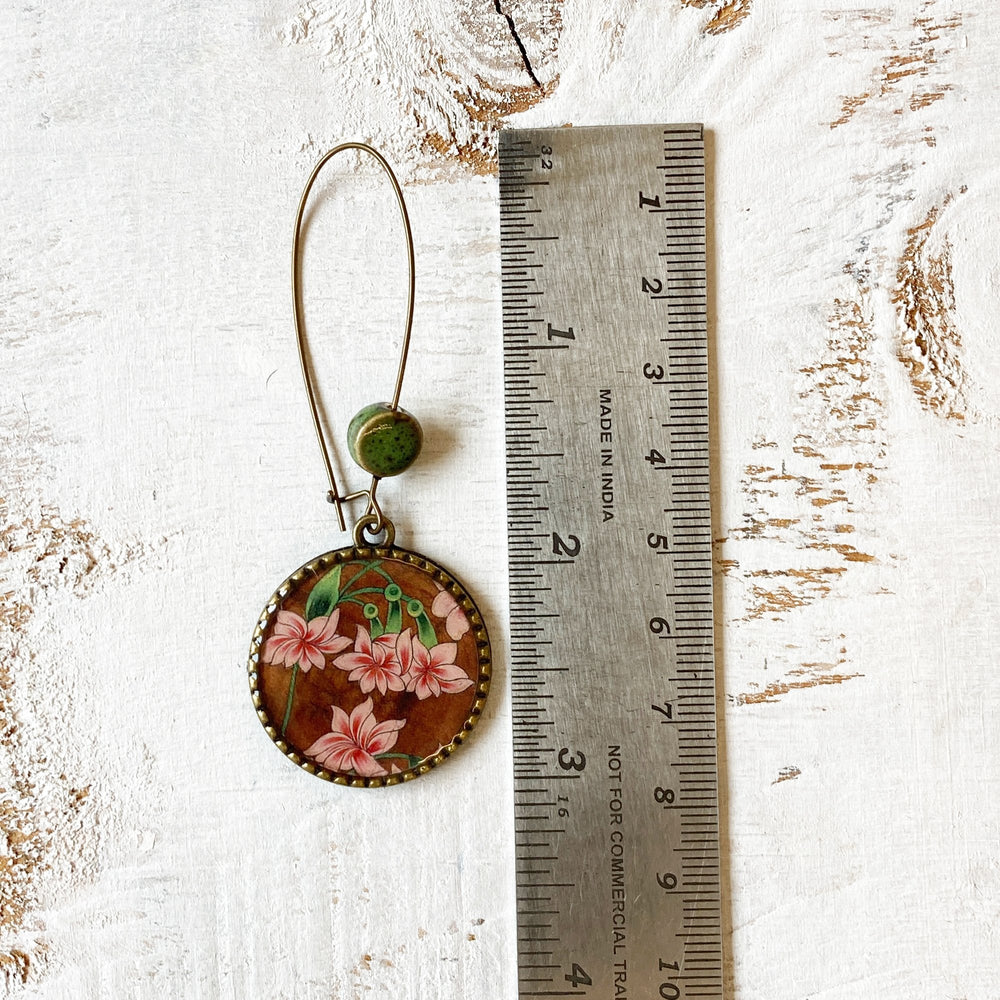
(370, 664)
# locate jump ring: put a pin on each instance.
(371, 521)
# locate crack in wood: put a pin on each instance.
(518, 43)
(434, 82)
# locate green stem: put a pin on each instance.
(361, 590)
(291, 698)
(361, 572)
(408, 757)
(381, 572)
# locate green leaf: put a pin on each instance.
(324, 596)
(394, 618)
(411, 760)
(425, 630)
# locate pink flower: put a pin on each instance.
(353, 741)
(373, 663)
(445, 606)
(295, 640)
(430, 671)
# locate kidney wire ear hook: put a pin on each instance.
(415, 684)
(382, 438)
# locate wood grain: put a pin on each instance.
(930, 348)
(468, 67)
(726, 14)
(48, 817)
(907, 75)
(154, 440)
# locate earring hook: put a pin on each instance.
(373, 511)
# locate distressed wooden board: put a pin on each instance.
(158, 477)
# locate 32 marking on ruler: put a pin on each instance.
(604, 282)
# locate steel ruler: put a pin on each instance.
(610, 554)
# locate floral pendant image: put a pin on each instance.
(369, 666)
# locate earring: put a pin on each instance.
(370, 664)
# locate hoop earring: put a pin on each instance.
(370, 664)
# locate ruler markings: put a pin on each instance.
(557, 192)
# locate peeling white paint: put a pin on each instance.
(152, 158)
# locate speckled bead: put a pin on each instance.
(383, 441)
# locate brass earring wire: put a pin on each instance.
(368, 441)
(370, 664)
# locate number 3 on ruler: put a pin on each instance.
(570, 761)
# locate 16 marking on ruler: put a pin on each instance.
(536, 413)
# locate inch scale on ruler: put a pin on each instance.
(610, 554)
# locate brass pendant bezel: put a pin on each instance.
(438, 574)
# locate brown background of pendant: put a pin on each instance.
(434, 726)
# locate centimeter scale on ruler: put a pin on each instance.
(609, 527)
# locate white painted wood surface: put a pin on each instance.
(158, 477)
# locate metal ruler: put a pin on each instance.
(610, 552)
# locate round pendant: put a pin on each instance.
(369, 666)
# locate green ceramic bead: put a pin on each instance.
(383, 441)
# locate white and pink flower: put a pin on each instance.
(354, 741)
(295, 640)
(430, 671)
(374, 663)
(445, 606)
